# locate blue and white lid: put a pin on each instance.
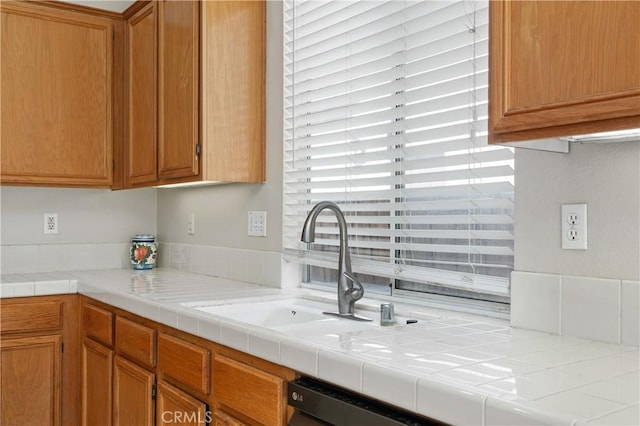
(143, 238)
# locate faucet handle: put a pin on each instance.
(357, 291)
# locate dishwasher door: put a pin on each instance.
(320, 403)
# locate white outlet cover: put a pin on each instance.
(50, 223)
(574, 235)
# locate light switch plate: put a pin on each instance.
(257, 224)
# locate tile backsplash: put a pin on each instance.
(600, 309)
(253, 266)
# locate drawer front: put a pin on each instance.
(250, 391)
(32, 316)
(97, 324)
(184, 362)
(136, 342)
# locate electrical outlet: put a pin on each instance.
(574, 226)
(257, 224)
(191, 224)
(51, 223)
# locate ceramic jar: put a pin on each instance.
(144, 251)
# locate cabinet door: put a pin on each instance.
(178, 100)
(97, 370)
(132, 394)
(177, 407)
(141, 62)
(563, 67)
(30, 377)
(220, 418)
(55, 114)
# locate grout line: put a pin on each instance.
(560, 307)
(620, 312)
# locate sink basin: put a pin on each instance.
(283, 315)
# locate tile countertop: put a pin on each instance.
(458, 368)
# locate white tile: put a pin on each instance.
(53, 257)
(239, 265)
(168, 315)
(340, 369)
(425, 365)
(221, 262)
(300, 357)
(188, 321)
(273, 269)
(164, 255)
(109, 256)
(591, 308)
(255, 267)
(630, 316)
(82, 257)
(264, 345)
(623, 389)
(564, 355)
(577, 405)
(234, 336)
(535, 301)
(499, 412)
(627, 416)
(444, 402)
(23, 289)
(208, 328)
(396, 388)
(19, 259)
(603, 367)
(180, 257)
(544, 383)
(51, 287)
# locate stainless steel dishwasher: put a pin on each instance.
(319, 403)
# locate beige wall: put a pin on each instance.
(221, 211)
(607, 178)
(84, 215)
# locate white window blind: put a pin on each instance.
(386, 115)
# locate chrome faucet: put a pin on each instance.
(349, 288)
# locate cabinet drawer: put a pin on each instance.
(136, 342)
(184, 362)
(250, 391)
(98, 324)
(33, 316)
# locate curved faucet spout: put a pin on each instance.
(349, 288)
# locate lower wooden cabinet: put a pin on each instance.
(31, 380)
(39, 361)
(97, 371)
(174, 406)
(133, 393)
(152, 374)
(220, 418)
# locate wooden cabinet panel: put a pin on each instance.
(250, 391)
(561, 68)
(136, 342)
(132, 394)
(178, 99)
(97, 323)
(30, 373)
(141, 60)
(184, 362)
(233, 92)
(220, 418)
(55, 114)
(97, 370)
(177, 407)
(31, 316)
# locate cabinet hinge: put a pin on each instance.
(153, 392)
(198, 150)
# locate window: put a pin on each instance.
(386, 115)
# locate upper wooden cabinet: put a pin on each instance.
(562, 68)
(56, 110)
(204, 65)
